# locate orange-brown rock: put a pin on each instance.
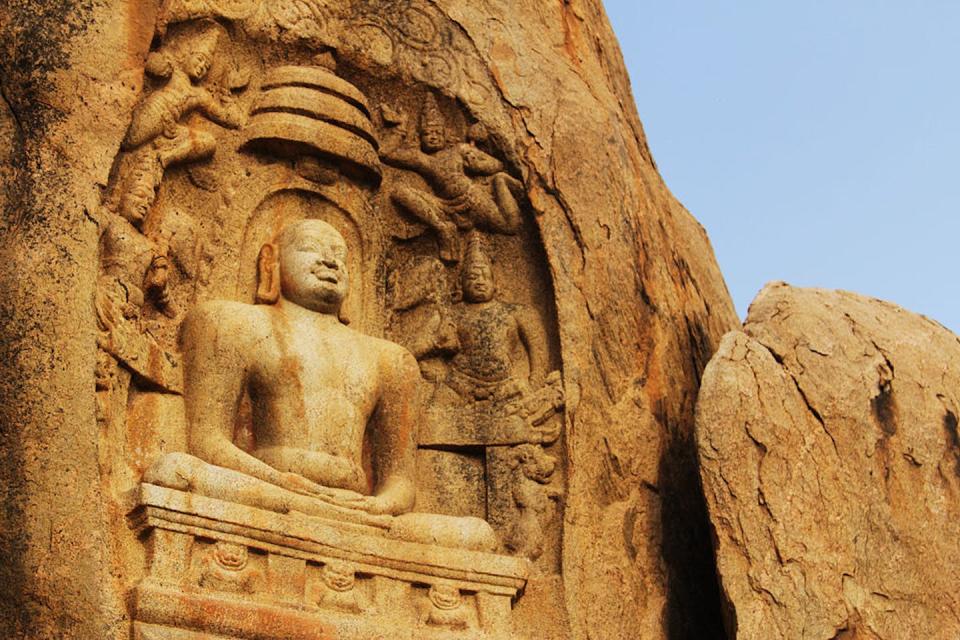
(504, 223)
(827, 436)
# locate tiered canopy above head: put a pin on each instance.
(310, 110)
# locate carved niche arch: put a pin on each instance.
(287, 197)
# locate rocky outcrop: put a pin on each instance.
(627, 282)
(830, 459)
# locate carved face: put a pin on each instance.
(338, 577)
(478, 285)
(197, 65)
(137, 199)
(313, 269)
(444, 597)
(432, 137)
(230, 556)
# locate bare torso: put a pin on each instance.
(489, 340)
(314, 385)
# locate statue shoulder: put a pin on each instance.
(394, 359)
(227, 317)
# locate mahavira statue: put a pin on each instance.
(318, 391)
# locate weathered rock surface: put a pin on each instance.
(830, 460)
(623, 276)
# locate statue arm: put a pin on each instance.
(535, 341)
(215, 372)
(221, 109)
(395, 423)
(479, 162)
(406, 159)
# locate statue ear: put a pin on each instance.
(268, 275)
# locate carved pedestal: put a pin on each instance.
(226, 571)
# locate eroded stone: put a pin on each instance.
(509, 246)
(827, 441)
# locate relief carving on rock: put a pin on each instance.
(456, 200)
(337, 588)
(329, 375)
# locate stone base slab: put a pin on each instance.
(222, 571)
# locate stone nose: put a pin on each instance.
(328, 261)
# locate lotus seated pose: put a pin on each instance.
(318, 391)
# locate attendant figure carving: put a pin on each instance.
(184, 64)
(337, 589)
(459, 200)
(135, 273)
(226, 567)
(490, 332)
(499, 363)
(446, 607)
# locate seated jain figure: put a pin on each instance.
(315, 388)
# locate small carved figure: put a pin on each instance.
(446, 607)
(459, 201)
(338, 577)
(226, 568)
(494, 388)
(134, 271)
(490, 334)
(184, 63)
(337, 590)
(532, 469)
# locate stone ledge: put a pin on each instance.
(312, 538)
(232, 572)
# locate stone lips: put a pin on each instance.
(312, 108)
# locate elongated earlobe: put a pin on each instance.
(268, 275)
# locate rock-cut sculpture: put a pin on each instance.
(317, 390)
(459, 201)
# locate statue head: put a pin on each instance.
(191, 48)
(307, 266)
(139, 189)
(444, 597)
(433, 135)
(197, 55)
(338, 576)
(477, 275)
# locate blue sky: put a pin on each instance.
(816, 141)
